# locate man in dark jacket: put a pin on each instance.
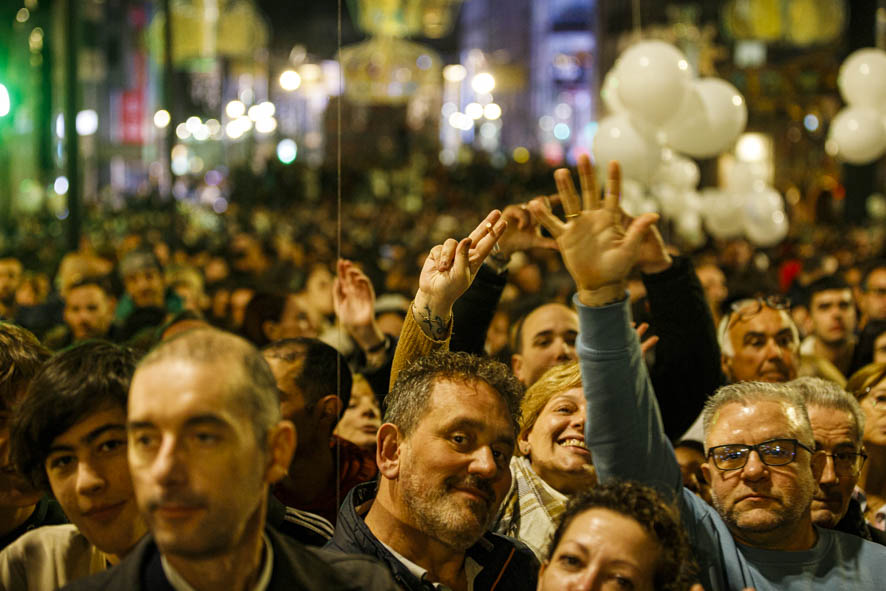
(443, 454)
(205, 443)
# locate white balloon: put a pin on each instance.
(653, 78)
(688, 226)
(723, 213)
(618, 139)
(862, 78)
(859, 134)
(677, 171)
(766, 223)
(609, 92)
(710, 119)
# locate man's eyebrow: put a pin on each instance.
(91, 436)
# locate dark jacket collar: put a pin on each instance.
(503, 559)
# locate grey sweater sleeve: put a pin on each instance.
(623, 428)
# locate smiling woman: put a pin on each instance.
(552, 460)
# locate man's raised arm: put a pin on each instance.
(623, 429)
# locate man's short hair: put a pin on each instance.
(826, 283)
(103, 283)
(556, 380)
(408, 401)
(323, 370)
(725, 342)
(252, 384)
(746, 393)
(827, 394)
(70, 386)
(869, 268)
(138, 260)
(262, 307)
(660, 519)
(21, 357)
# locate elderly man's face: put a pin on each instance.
(759, 502)
(198, 470)
(547, 339)
(764, 347)
(454, 467)
(835, 433)
(833, 315)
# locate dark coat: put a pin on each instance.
(295, 567)
(508, 565)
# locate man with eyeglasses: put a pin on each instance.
(759, 442)
(759, 341)
(837, 424)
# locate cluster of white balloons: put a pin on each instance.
(859, 130)
(660, 114)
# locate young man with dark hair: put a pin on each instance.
(69, 438)
(22, 507)
(315, 387)
(833, 314)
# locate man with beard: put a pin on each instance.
(759, 444)
(443, 452)
(205, 441)
(88, 314)
(837, 424)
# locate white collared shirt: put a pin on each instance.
(472, 569)
(179, 583)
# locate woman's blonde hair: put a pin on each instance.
(866, 378)
(556, 380)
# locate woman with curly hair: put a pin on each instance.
(619, 535)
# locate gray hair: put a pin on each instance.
(725, 342)
(749, 392)
(247, 374)
(819, 392)
(407, 402)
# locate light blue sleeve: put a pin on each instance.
(623, 429)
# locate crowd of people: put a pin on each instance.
(557, 400)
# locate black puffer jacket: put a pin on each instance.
(508, 565)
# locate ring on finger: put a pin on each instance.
(572, 215)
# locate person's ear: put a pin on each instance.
(270, 329)
(517, 366)
(523, 442)
(387, 454)
(726, 366)
(818, 461)
(281, 447)
(329, 409)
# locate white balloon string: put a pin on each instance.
(635, 14)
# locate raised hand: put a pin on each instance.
(449, 270)
(599, 244)
(354, 301)
(522, 232)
